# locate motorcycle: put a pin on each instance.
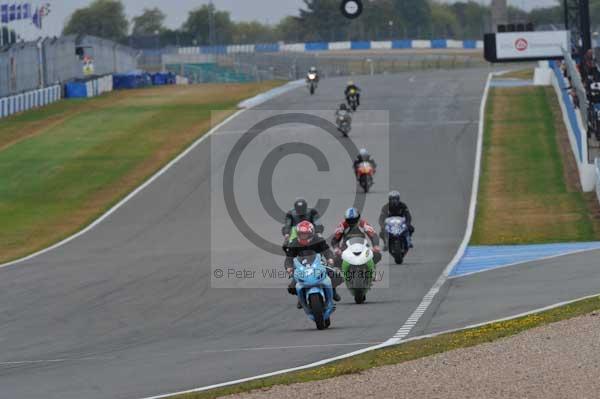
(397, 236)
(358, 268)
(311, 81)
(353, 99)
(344, 123)
(314, 289)
(365, 173)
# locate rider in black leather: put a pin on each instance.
(299, 213)
(395, 207)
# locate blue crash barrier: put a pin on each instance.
(76, 90)
(360, 45)
(131, 80)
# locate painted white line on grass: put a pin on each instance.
(247, 104)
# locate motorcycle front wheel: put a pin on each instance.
(316, 306)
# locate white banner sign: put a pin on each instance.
(548, 44)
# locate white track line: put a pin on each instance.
(428, 299)
(425, 303)
(127, 198)
(246, 105)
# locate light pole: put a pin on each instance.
(211, 24)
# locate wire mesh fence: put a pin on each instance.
(33, 65)
(291, 66)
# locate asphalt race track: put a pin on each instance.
(127, 310)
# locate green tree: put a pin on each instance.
(102, 18)
(252, 32)
(547, 15)
(444, 22)
(417, 16)
(289, 29)
(473, 19)
(150, 22)
(322, 20)
(198, 25)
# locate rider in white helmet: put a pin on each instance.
(364, 156)
(314, 72)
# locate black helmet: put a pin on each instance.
(301, 207)
(394, 199)
(343, 107)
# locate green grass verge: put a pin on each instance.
(411, 350)
(64, 165)
(524, 196)
(525, 74)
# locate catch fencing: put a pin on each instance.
(598, 178)
(292, 66)
(30, 66)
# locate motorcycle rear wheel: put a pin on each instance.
(360, 298)
(364, 183)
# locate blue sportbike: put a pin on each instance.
(314, 289)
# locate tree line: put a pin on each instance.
(317, 20)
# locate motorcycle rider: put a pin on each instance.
(299, 213)
(395, 207)
(363, 156)
(312, 71)
(308, 243)
(354, 226)
(349, 88)
(344, 112)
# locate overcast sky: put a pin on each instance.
(241, 10)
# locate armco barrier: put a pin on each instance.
(575, 129)
(334, 46)
(29, 100)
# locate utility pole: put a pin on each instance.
(211, 24)
(499, 14)
(577, 21)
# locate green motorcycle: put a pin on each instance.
(358, 268)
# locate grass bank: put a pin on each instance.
(411, 350)
(529, 189)
(63, 165)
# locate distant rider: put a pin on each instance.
(352, 87)
(363, 156)
(354, 226)
(296, 215)
(313, 71)
(309, 243)
(343, 112)
(395, 207)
